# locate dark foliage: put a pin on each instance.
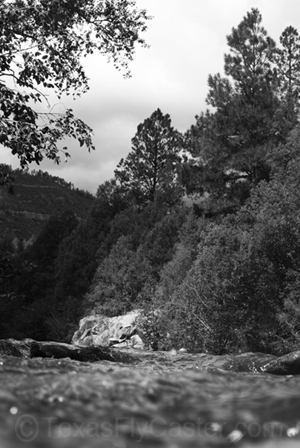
(42, 46)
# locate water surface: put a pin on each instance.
(158, 400)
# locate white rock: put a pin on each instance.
(99, 330)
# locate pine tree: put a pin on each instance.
(150, 170)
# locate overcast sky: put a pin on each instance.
(187, 41)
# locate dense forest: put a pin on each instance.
(221, 276)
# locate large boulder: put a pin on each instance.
(106, 331)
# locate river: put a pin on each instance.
(158, 400)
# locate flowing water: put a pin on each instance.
(157, 400)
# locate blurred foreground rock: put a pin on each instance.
(55, 395)
(166, 400)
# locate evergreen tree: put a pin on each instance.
(150, 170)
(287, 59)
(249, 117)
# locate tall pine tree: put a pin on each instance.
(150, 170)
(250, 113)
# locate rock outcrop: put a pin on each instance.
(106, 331)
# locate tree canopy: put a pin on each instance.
(252, 109)
(42, 43)
(150, 169)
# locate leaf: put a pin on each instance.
(55, 37)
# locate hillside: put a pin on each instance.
(35, 198)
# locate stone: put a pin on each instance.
(106, 331)
(13, 347)
(137, 342)
(59, 350)
(284, 365)
(28, 348)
